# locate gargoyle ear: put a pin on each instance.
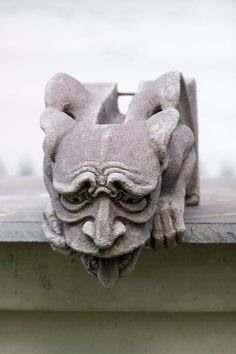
(67, 94)
(65, 98)
(55, 124)
(160, 126)
(168, 91)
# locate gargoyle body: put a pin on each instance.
(118, 182)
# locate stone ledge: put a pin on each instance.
(195, 233)
(22, 201)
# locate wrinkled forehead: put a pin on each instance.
(124, 147)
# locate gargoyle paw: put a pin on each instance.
(168, 223)
(53, 230)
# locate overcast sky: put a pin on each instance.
(122, 41)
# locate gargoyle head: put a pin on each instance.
(104, 179)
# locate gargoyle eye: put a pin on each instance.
(127, 198)
(130, 203)
(130, 200)
(76, 201)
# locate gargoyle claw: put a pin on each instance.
(52, 227)
(168, 225)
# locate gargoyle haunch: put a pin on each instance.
(118, 182)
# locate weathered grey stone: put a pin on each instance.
(118, 182)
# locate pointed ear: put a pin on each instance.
(55, 125)
(160, 126)
(65, 93)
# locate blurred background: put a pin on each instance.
(122, 41)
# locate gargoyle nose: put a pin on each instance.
(103, 230)
(104, 236)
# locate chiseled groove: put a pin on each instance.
(201, 233)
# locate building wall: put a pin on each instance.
(116, 333)
(176, 301)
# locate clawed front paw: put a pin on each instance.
(168, 223)
(53, 230)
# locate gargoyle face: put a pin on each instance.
(104, 180)
(106, 195)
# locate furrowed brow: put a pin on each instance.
(118, 181)
(76, 184)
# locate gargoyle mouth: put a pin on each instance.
(109, 270)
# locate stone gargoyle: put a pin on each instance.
(118, 182)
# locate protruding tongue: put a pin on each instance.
(108, 271)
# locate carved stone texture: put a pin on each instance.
(118, 182)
